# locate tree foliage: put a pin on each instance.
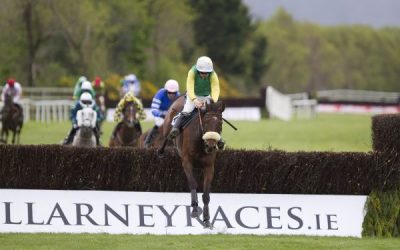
(222, 27)
(308, 57)
(52, 43)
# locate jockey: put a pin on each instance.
(99, 89)
(202, 86)
(160, 105)
(78, 86)
(16, 89)
(86, 86)
(86, 100)
(118, 116)
(98, 86)
(130, 83)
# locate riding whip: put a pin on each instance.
(230, 124)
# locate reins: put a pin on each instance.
(201, 122)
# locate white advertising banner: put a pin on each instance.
(169, 213)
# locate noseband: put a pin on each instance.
(211, 135)
(130, 112)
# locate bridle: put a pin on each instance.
(130, 108)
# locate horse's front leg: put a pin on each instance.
(188, 168)
(13, 138)
(208, 177)
(5, 136)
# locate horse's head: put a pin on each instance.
(212, 125)
(8, 103)
(130, 114)
(86, 117)
(8, 97)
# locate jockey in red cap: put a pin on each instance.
(15, 89)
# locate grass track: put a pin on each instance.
(325, 133)
(116, 242)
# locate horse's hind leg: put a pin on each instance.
(208, 177)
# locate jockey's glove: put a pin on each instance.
(197, 103)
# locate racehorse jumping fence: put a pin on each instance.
(375, 173)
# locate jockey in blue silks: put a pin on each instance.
(160, 105)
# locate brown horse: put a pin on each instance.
(126, 132)
(157, 141)
(197, 147)
(12, 119)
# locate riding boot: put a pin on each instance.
(70, 136)
(150, 136)
(181, 118)
(138, 127)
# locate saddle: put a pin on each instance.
(189, 118)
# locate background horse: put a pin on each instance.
(12, 119)
(158, 138)
(126, 133)
(100, 102)
(85, 136)
(197, 146)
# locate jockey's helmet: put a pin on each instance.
(82, 79)
(11, 82)
(204, 64)
(86, 100)
(172, 86)
(86, 85)
(131, 78)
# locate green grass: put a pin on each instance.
(105, 241)
(328, 132)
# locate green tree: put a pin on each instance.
(171, 39)
(84, 27)
(259, 63)
(222, 27)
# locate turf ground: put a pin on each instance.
(219, 241)
(327, 132)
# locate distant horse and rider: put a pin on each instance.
(85, 117)
(197, 147)
(85, 136)
(12, 117)
(160, 104)
(128, 114)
